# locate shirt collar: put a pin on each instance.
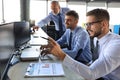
(56, 14)
(75, 30)
(104, 38)
(60, 11)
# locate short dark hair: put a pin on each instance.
(73, 13)
(56, 2)
(100, 14)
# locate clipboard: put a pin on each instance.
(44, 69)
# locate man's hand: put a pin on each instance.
(52, 48)
(35, 28)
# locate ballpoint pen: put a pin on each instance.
(44, 38)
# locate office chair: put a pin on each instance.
(51, 30)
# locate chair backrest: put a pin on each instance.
(51, 30)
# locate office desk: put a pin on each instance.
(17, 72)
(36, 39)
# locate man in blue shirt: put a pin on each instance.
(79, 45)
(57, 15)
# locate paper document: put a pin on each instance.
(36, 40)
(44, 69)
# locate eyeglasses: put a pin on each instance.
(91, 23)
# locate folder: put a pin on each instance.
(44, 69)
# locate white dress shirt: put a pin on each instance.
(108, 63)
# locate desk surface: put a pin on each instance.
(36, 40)
(17, 72)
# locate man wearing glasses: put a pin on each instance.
(107, 65)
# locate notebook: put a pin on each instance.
(44, 69)
(32, 53)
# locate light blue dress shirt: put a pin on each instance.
(80, 40)
(55, 19)
(108, 63)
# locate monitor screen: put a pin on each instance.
(12, 35)
(21, 33)
(6, 34)
(6, 47)
(116, 29)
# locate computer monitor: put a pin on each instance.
(6, 54)
(21, 33)
(6, 35)
(116, 29)
(16, 33)
(12, 36)
(6, 47)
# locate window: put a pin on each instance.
(38, 10)
(94, 5)
(0, 11)
(114, 10)
(80, 8)
(11, 10)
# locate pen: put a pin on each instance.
(44, 38)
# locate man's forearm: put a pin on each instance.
(62, 56)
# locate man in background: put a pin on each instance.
(57, 15)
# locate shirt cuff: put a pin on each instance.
(68, 60)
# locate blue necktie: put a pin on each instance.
(70, 41)
(60, 23)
